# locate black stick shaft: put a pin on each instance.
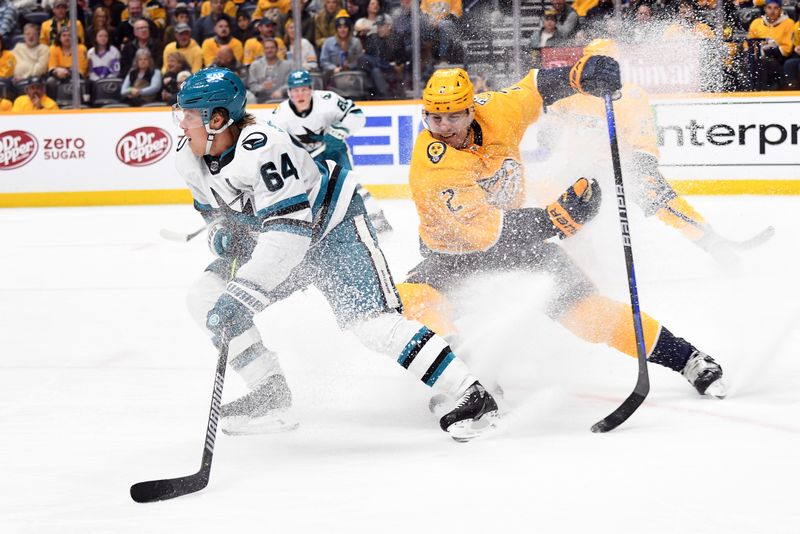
(642, 387)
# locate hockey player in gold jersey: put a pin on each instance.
(582, 116)
(467, 182)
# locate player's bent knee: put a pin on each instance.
(387, 333)
(423, 303)
(202, 295)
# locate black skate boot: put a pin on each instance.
(705, 375)
(475, 412)
(265, 409)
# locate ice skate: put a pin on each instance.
(264, 410)
(705, 375)
(475, 413)
(441, 403)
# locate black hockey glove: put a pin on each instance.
(596, 76)
(575, 207)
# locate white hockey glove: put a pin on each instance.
(338, 132)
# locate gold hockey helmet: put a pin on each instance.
(448, 91)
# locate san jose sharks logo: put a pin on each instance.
(310, 137)
(254, 141)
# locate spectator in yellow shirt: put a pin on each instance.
(60, 63)
(5, 105)
(154, 11)
(687, 24)
(777, 29)
(48, 35)
(185, 46)
(230, 8)
(264, 6)
(34, 98)
(8, 62)
(792, 65)
(253, 47)
(222, 37)
(325, 21)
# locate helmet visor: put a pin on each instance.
(186, 118)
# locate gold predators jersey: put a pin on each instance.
(461, 194)
(632, 113)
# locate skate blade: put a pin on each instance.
(268, 424)
(464, 431)
(718, 389)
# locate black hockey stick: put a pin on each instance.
(642, 388)
(161, 490)
(172, 235)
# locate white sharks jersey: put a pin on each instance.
(327, 110)
(268, 182)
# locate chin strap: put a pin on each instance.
(212, 133)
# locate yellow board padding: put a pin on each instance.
(736, 187)
(389, 191)
(598, 319)
(94, 198)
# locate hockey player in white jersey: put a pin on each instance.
(280, 216)
(321, 121)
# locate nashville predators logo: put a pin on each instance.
(436, 150)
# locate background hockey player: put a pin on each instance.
(467, 183)
(274, 213)
(321, 121)
(580, 119)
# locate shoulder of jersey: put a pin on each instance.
(325, 95)
(257, 137)
(429, 151)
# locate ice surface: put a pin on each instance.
(105, 381)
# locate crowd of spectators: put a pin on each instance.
(147, 47)
(757, 46)
(137, 53)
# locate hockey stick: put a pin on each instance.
(756, 241)
(642, 388)
(169, 488)
(182, 237)
(161, 490)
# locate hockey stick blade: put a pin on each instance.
(169, 488)
(756, 241)
(621, 414)
(161, 490)
(181, 237)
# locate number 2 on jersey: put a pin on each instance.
(273, 179)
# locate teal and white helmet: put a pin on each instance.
(214, 88)
(207, 90)
(299, 78)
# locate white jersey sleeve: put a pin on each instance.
(351, 118)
